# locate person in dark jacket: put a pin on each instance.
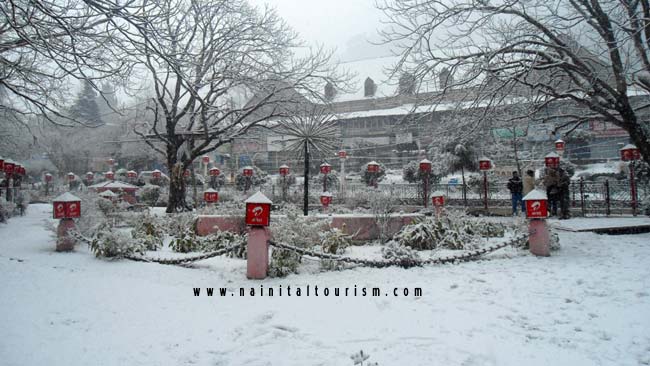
(516, 186)
(551, 182)
(563, 193)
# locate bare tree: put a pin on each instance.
(591, 57)
(218, 68)
(45, 45)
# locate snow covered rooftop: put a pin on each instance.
(66, 197)
(114, 184)
(536, 194)
(258, 197)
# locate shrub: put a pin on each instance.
(150, 230)
(149, 194)
(451, 232)
(110, 243)
(394, 252)
(258, 178)
(334, 241)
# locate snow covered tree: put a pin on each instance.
(85, 108)
(580, 60)
(219, 68)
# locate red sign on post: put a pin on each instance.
(484, 164)
(258, 214)
(284, 170)
(425, 165)
(438, 200)
(326, 199)
(325, 168)
(248, 172)
(131, 174)
(9, 167)
(373, 167)
(630, 152)
(48, 177)
(206, 159)
(214, 172)
(211, 196)
(109, 175)
(342, 154)
(156, 174)
(66, 206)
(258, 210)
(536, 204)
(552, 160)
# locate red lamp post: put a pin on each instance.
(248, 172)
(552, 160)
(342, 154)
(48, 179)
(8, 167)
(325, 169)
(90, 177)
(2, 163)
(284, 171)
(214, 172)
(325, 200)
(110, 162)
(109, 175)
(438, 201)
(156, 174)
(205, 159)
(484, 165)
(631, 153)
(186, 173)
(132, 174)
(373, 170)
(425, 170)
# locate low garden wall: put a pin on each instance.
(364, 227)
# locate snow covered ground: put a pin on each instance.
(588, 304)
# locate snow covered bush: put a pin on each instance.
(382, 206)
(149, 229)
(296, 230)
(451, 232)
(332, 181)
(149, 194)
(395, 252)
(334, 241)
(6, 209)
(185, 241)
(107, 242)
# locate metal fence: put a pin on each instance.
(586, 198)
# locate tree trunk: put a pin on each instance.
(641, 139)
(177, 189)
(305, 202)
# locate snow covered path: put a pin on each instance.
(588, 304)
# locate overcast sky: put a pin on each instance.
(342, 24)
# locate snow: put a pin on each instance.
(587, 304)
(594, 223)
(258, 197)
(113, 184)
(535, 194)
(66, 197)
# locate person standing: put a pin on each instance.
(564, 182)
(516, 187)
(551, 182)
(529, 182)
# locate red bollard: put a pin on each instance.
(66, 207)
(258, 218)
(539, 237)
(64, 241)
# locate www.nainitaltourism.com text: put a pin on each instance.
(308, 290)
